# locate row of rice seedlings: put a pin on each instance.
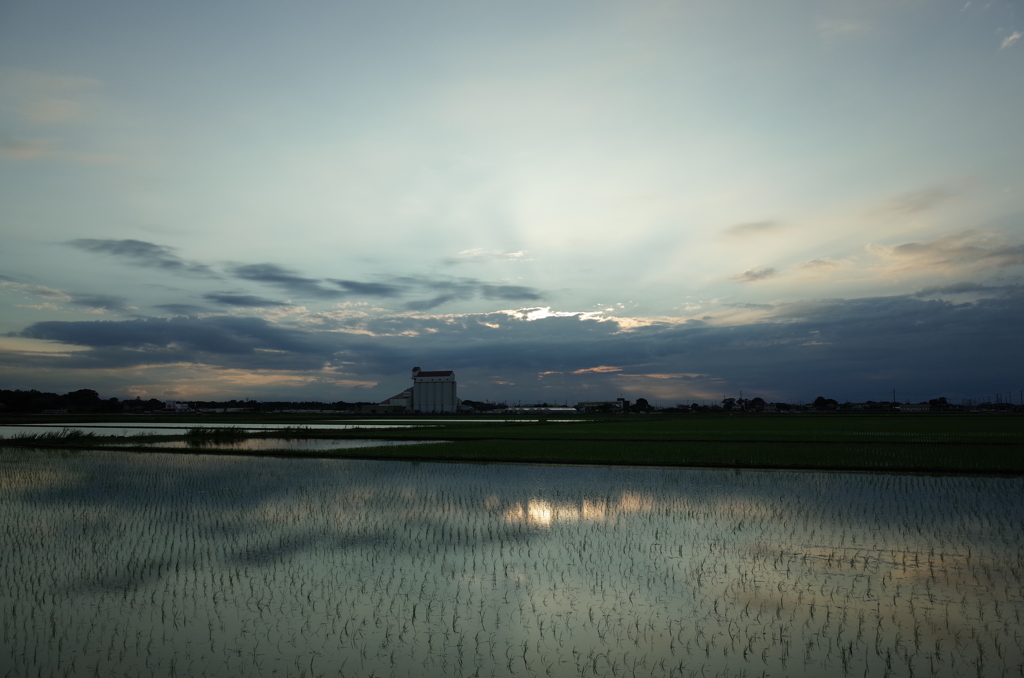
(295, 432)
(216, 432)
(164, 565)
(63, 435)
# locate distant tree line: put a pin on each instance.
(820, 404)
(488, 407)
(272, 405)
(87, 401)
(82, 400)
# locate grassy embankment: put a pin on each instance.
(959, 443)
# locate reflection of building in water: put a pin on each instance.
(431, 391)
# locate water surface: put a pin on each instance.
(160, 564)
(284, 444)
(173, 428)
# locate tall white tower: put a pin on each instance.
(433, 391)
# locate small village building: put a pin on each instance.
(619, 405)
(400, 402)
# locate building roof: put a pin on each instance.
(403, 395)
(436, 373)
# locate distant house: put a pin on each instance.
(618, 405)
(400, 402)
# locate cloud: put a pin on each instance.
(49, 147)
(243, 300)
(687, 376)
(367, 289)
(912, 202)
(434, 302)
(478, 255)
(224, 341)
(963, 250)
(1011, 39)
(456, 289)
(181, 309)
(752, 228)
(600, 369)
(820, 263)
(46, 99)
(28, 149)
(754, 275)
(751, 306)
(142, 253)
(35, 290)
(100, 302)
(92, 302)
(860, 347)
(58, 103)
(821, 267)
(509, 293)
(442, 290)
(957, 288)
(286, 279)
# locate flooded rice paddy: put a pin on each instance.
(170, 428)
(306, 445)
(120, 564)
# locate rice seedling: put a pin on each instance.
(216, 433)
(157, 564)
(65, 436)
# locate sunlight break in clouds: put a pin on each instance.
(478, 255)
(531, 314)
(598, 369)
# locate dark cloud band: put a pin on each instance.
(142, 253)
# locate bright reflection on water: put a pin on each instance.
(159, 565)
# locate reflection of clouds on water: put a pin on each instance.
(542, 513)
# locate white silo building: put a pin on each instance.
(433, 391)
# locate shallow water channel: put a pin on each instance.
(170, 428)
(159, 564)
(296, 444)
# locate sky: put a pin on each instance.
(581, 200)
